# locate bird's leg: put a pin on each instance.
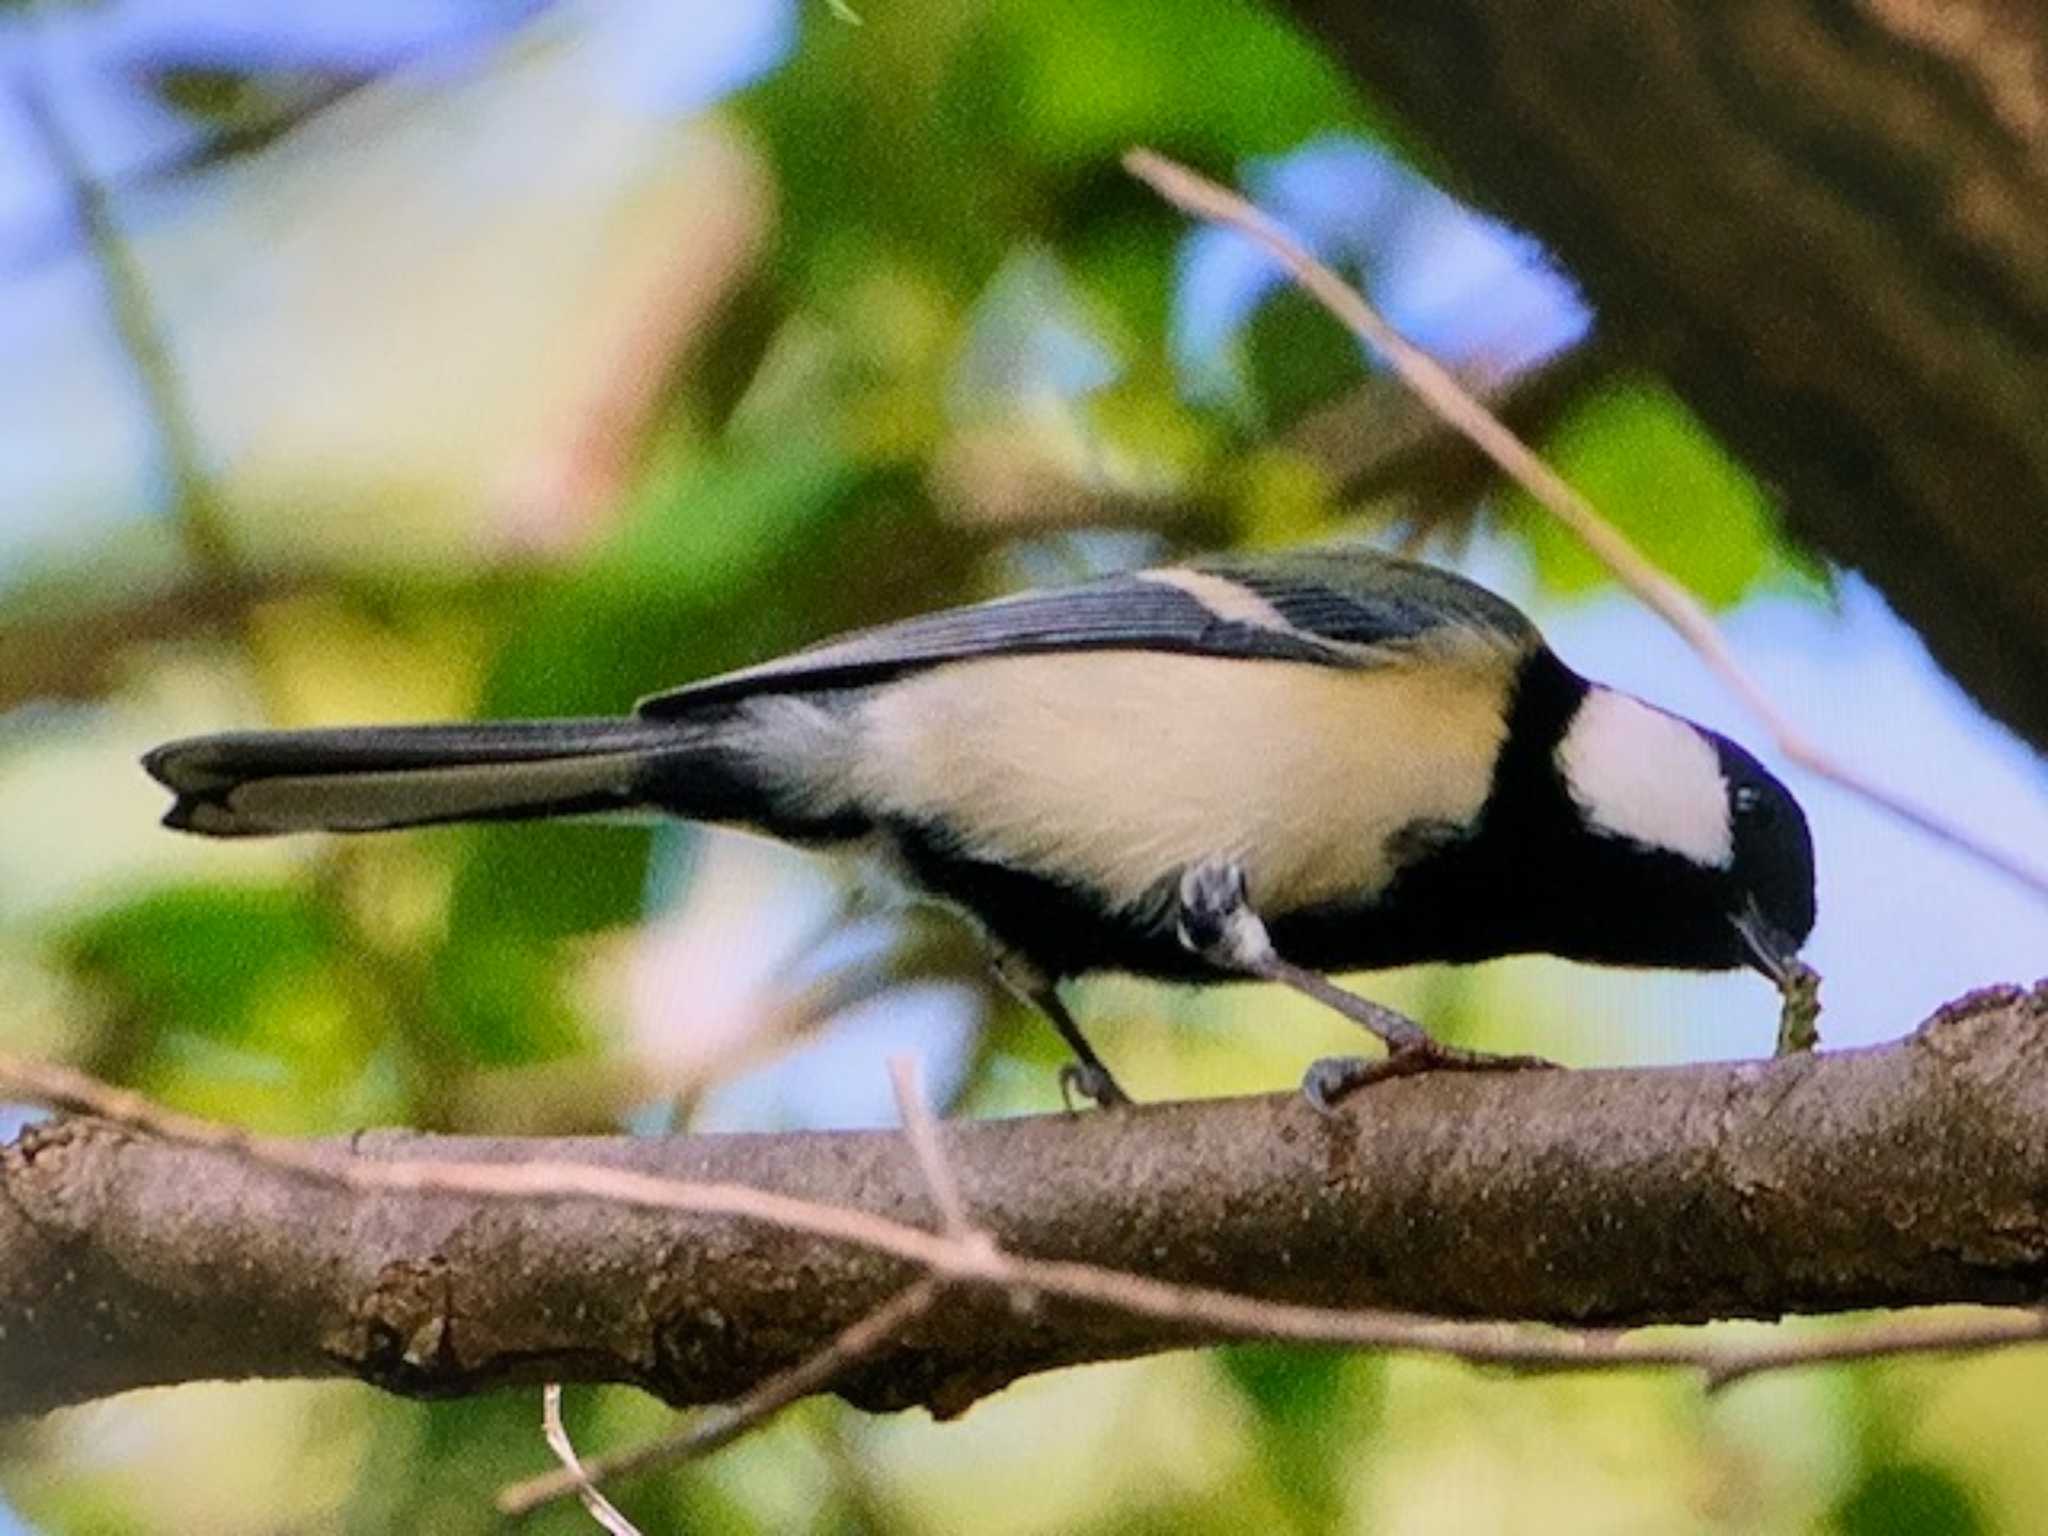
(1085, 1074)
(1215, 921)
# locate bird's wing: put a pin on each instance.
(1327, 608)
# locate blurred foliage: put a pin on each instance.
(1638, 454)
(1307, 1409)
(792, 466)
(1909, 1499)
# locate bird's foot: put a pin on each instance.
(1331, 1080)
(1215, 920)
(1091, 1080)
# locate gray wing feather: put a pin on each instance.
(1326, 608)
(1361, 597)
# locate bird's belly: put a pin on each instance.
(1109, 773)
(1068, 931)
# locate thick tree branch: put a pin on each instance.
(1905, 1174)
(1826, 223)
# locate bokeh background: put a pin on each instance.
(365, 360)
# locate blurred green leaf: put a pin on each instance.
(674, 592)
(206, 959)
(835, 113)
(243, 1003)
(1081, 83)
(1306, 1402)
(1121, 246)
(1025, 111)
(548, 880)
(703, 522)
(499, 995)
(1286, 1384)
(1296, 358)
(1909, 1498)
(221, 97)
(1644, 460)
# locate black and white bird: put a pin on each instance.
(1275, 766)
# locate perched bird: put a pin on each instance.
(1273, 766)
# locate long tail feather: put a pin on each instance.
(251, 784)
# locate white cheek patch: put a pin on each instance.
(1641, 774)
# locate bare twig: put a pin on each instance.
(1996, 1329)
(1198, 195)
(70, 643)
(199, 517)
(601, 1509)
(851, 1345)
(1381, 439)
(923, 1134)
(716, 1430)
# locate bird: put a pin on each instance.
(1276, 765)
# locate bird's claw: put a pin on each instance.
(1091, 1080)
(1332, 1079)
(1214, 919)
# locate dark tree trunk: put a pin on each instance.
(1826, 223)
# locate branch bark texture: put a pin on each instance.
(1910, 1173)
(1826, 221)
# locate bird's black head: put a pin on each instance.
(1771, 873)
(1687, 851)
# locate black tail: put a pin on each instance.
(250, 784)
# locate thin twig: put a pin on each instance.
(200, 520)
(923, 1134)
(1910, 1336)
(1197, 195)
(199, 515)
(718, 1429)
(601, 1509)
(856, 1342)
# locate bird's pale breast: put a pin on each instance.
(1124, 767)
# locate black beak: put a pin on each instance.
(1769, 950)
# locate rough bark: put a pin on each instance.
(1910, 1173)
(1826, 222)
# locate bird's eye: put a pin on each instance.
(1749, 800)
